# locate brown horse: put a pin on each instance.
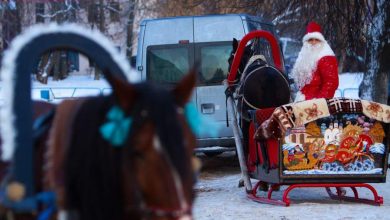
(148, 176)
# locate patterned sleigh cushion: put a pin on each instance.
(343, 105)
(300, 113)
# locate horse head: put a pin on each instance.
(244, 59)
(128, 156)
(163, 144)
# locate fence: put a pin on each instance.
(57, 94)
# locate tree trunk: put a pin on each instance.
(375, 81)
(341, 61)
(55, 61)
(11, 23)
(42, 68)
(130, 26)
(64, 68)
(101, 26)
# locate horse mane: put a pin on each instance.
(152, 97)
(92, 171)
(93, 168)
(57, 144)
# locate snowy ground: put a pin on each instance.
(84, 85)
(218, 197)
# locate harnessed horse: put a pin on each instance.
(259, 85)
(147, 176)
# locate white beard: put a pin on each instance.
(306, 63)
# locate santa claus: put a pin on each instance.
(315, 70)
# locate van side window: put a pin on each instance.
(214, 65)
(167, 64)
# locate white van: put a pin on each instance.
(168, 47)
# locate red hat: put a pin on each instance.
(313, 30)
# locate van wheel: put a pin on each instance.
(212, 154)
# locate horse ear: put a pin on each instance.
(235, 45)
(123, 91)
(183, 90)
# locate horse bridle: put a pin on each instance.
(141, 208)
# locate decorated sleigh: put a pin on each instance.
(332, 143)
(320, 143)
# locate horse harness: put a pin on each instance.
(255, 63)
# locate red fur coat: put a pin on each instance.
(325, 80)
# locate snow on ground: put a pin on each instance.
(73, 81)
(72, 86)
(349, 85)
(218, 197)
(350, 80)
(84, 85)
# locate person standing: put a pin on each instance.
(315, 71)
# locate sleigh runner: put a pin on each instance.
(327, 143)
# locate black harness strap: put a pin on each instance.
(42, 124)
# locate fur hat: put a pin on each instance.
(313, 30)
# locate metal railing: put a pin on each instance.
(56, 94)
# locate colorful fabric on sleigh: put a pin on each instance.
(263, 114)
(300, 113)
(308, 111)
(343, 105)
(285, 117)
(376, 111)
(297, 114)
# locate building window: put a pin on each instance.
(302, 138)
(293, 138)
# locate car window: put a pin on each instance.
(265, 49)
(253, 25)
(214, 65)
(292, 49)
(167, 64)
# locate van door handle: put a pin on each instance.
(207, 108)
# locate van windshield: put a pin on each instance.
(167, 65)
